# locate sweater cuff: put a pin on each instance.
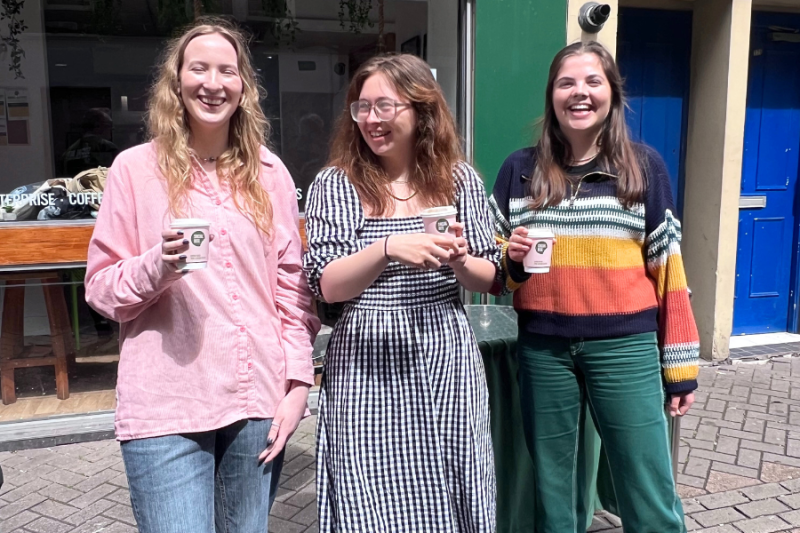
(516, 270)
(680, 387)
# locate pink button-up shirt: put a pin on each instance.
(202, 350)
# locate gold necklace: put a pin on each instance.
(403, 199)
(576, 162)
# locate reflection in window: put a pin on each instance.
(100, 57)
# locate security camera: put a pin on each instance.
(592, 16)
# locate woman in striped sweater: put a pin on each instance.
(610, 325)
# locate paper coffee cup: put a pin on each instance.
(537, 260)
(438, 220)
(196, 231)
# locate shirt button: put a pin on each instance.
(218, 202)
(242, 329)
(223, 232)
(235, 296)
(229, 264)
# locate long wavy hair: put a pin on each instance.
(549, 182)
(168, 128)
(437, 149)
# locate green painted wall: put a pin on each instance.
(515, 40)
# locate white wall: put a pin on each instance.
(27, 164)
(443, 46)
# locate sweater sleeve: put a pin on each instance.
(511, 273)
(677, 331)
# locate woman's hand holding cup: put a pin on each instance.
(420, 250)
(519, 244)
(173, 248)
(458, 253)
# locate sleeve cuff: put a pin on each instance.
(516, 271)
(680, 387)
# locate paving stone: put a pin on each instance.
(720, 482)
(762, 447)
(726, 445)
(25, 490)
(96, 524)
(792, 500)
(733, 469)
(749, 458)
(120, 512)
(89, 513)
(307, 516)
(122, 496)
(276, 525)
(793, 517)
(718, 516)
(284, 511)
(770, 506)
(18, 520)
(762, 524)
(691, 505)
(713, 456)
(300, 479)
(53, 509)
(93, 495)
(697, 467)
(96, 480)
(720, 529)
(23, 504)
(690, 524)
(59, 493)
(774, 472)
(760, 492)
(48, 525)
(721, 499)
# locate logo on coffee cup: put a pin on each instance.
(198, 237)
(442, 225)
(541, 247)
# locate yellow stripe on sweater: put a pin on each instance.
(597, 252)
(678, 374)
(670, 274)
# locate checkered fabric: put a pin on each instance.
(403, 438)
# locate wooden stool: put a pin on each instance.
(12, 336)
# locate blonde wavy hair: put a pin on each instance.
(168, 128)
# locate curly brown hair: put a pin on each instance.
(438, 146)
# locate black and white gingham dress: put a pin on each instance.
(403, 439)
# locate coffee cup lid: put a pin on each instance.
(443, 211)
(540, 233)
(190, 223)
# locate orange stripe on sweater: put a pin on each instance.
(588, 291)
(676, 319)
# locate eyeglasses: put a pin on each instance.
(385, 109)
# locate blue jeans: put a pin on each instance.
(203, 482)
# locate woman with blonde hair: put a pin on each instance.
(403, 441)
(215, 364)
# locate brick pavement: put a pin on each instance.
(81, 488)
(739, 467)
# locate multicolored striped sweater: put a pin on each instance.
(615, 271)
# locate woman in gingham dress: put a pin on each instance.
(403, 438)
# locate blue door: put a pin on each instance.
(766, 247)
(653, 54)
